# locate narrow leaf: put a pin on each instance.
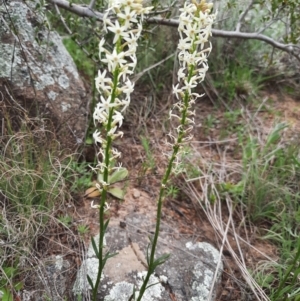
(95, 247)
(110, 255)
(161, 260)
(90, 281)
(105, 225)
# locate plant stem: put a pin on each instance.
(102, 260)
(167, 174)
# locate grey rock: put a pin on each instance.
(188, 274)
(50, 283)
(38, 72)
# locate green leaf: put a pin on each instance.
(106, 224)
(18, 286)
(9, 271)
(160, 260)
(95, 247)
(110, 255)
(107, 256)
(7, 295)
(90, 281)
(118, 175)
(100, 177)
(276, 134)
(117, 192)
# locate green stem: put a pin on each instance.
(167, 174)
(102, 261)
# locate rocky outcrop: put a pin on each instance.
(37, 72)
(192, 273)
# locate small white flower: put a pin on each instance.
(119, 31)
(131, 40)
(97, 136)
(125, 103)
(192, 30)
(99, 115)
(107, 207)
(171, 115)
(117, 118)
(184, 44)
(102, 82)
(105, 104)
(189, 86)
(112, 131)
(128, 15)
(202, 40)
(128, 88)
(184, 21)
(101, 48)
(181, 74)
(177, 91)
(188, 8)
(116, 154)
(94, 206)
(114, 60)
(119, 165)
(113, 134)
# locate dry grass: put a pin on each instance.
(222, 184)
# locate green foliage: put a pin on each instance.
(149, 162)
(154, 47)
(209, 122)
(120, 174)
(32, 184)
(82, 229)
(7, 285)
(269, 177)
(66, 220)
(30, 174)
(269, 195)
(190, 166)
(288, 8)
(84, 64)
(172, 191)
(78, 175)
(234, 76)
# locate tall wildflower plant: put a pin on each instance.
(123, 19)
(195, 24)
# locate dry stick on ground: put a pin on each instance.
(84, 11)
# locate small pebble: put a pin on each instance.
(122, 224)
(136, 194)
